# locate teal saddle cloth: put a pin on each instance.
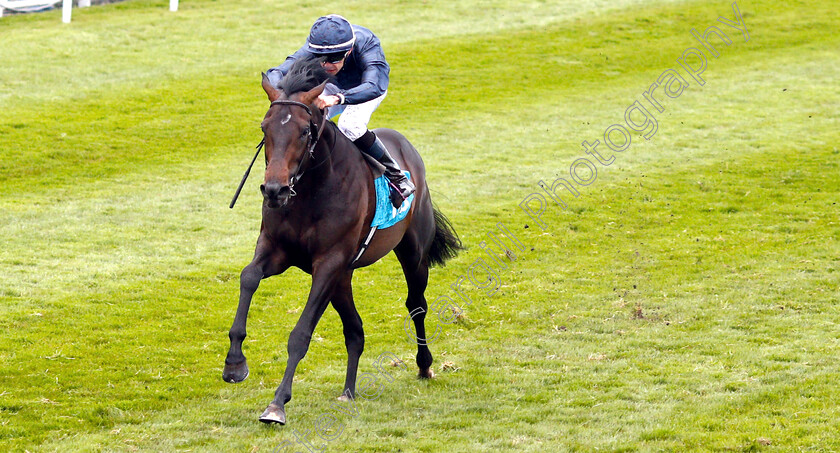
(386, 214)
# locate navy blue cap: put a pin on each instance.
(330, 34)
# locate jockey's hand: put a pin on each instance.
(325, 101)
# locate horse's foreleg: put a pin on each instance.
(354, 334)
(236, 366)
(324, 281)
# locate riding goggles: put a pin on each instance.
(334, 57)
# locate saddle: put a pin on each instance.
(375, 167)
(386, 214)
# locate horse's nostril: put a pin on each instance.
(273, 191)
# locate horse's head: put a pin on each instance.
(290, 133)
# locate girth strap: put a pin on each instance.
(364, 246)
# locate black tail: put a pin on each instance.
(446, 243)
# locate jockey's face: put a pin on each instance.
(333, 68)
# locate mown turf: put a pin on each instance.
(685, 301)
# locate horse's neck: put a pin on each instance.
(344, 154)
(336, 158)
(334, 193)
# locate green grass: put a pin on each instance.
(685, 301)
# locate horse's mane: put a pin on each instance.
(304, 75)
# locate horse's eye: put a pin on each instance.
(304, 134)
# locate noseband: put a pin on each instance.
(314, 136)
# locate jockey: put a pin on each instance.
(353, 57)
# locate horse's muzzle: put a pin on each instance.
(276, 194)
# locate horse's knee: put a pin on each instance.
(249, 278)
(298, 343)
(355, 343)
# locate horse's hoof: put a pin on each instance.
(426, 374)
(273, 414)
(344, 398)
(235, 373)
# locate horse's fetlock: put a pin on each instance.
(424, 359)
(237, 335)
(355, 347)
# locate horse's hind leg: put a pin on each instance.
(354, 335)
(417, 277)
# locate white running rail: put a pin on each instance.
(27, 6)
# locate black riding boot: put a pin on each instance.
(402, 187)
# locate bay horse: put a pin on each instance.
(318, 204)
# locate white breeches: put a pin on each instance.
(354, 118)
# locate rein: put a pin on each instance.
(311, 151)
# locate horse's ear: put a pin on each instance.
(310, 96)
(272, 92)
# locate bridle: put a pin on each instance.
(315, 133)
(313, 130)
